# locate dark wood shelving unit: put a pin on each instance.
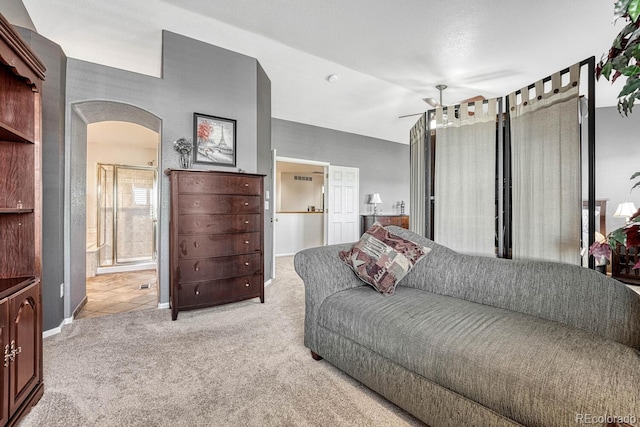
(21, 76)
(9, 134)
(15, 211)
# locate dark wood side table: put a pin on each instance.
(622, 261)
(366, 221)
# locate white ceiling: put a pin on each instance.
(388, 54)
(122, 135)
(288, 167)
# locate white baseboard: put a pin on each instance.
(268, 282)
(54, 331)
(281, 255)
(69, 320)
(57, 330)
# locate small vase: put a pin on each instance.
(185, 161)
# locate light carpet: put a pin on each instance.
(241, 364)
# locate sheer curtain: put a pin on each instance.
(465, 178)
(545, 160)
(418, 176)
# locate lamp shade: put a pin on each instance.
(625, 210)
(375, 198)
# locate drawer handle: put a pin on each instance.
(195, 244)
(196, 267)
(183, 247)
(246, 242)
(246, 284)
(246, 263)
(246, 203)
(246, 222)
(197, 292)
(246, 185)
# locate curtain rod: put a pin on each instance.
(457, 106)
(562, 72)
(519, 91)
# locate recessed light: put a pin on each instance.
(332, 78)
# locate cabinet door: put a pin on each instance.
(26, 334)
(4, 371)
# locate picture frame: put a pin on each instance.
(214, 140)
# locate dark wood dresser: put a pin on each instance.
(366, 221)
(217, 238)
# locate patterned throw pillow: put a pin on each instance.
(382, 259)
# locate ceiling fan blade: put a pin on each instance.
(410, 115)
(432, 102)
(435, 104)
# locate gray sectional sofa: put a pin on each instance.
(479, 341)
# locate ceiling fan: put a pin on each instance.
(434, 103)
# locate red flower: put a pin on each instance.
(204, 130)
(633, 235)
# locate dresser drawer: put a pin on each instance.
(203, 294)
(219, 184)
(214, 245)
(218, 204)
(218, 224)
(219, 268)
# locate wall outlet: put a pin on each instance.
(61, 290)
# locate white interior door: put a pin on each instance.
(343, 205)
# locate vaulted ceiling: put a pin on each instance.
(387, 54)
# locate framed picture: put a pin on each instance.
(214, 140)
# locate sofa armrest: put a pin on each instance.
(324, 274)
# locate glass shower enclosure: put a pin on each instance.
(126, 216)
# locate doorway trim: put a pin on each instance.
(80, 115)
(274, 196)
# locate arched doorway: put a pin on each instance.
(83, 114)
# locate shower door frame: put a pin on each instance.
(154, 205)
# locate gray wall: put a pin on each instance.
(384, 165)
(15, 12)
(53, 100)
(617, 158)
(196, 77)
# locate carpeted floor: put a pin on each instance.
(241, 364)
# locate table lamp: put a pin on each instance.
(375, 199)
(625, 210)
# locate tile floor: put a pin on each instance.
(119, 292)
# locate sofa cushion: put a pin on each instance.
(382, 259)
(570, 294)
(534, 371)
